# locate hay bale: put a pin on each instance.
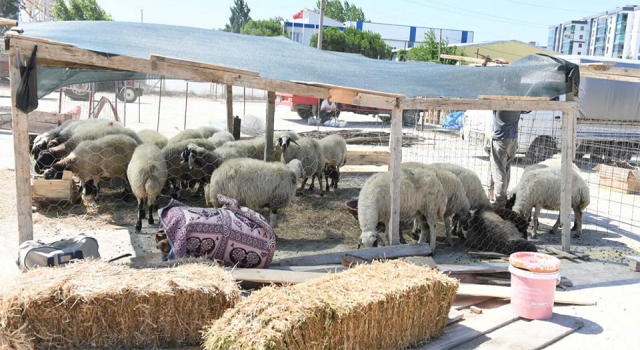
(93, 304)
(390, 305)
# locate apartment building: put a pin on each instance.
(614, 34)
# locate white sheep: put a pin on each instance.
(208, 131)
(309, 152)
(457, 202)
(179, 172)
(41, 141)
(106, 157)
(254, 148)
(256, 184)
(220, 138)
(85, 132)
(151, 136)
(335, 154)
(147, 174)
(421, 193)
(541, 189)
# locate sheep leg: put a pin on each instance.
(534, 232)
(577, 222)
(273, 220)
(415, 232)
(327, 183)
(304, 183)
(151, 206)
(319, 174)
(554, 229)
(447, 228)
(143, 212)
(140, 214)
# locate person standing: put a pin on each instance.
(504, 144)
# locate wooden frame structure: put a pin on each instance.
(55, 54)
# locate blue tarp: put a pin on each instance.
(453, 121)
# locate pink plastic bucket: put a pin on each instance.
(533, 293)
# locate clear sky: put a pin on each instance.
(525, 20)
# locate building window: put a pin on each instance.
(581, 27)
(581, 37)
(579, 53)
(580, 45)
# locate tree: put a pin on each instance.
(428, 50)
(239, 16)
(267, 27)
(79, 10)
(366, 43)
(8, 9)
(341, 12)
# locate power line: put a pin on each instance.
(546, 7)
(476, 14)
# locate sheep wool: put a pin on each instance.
(309, 152)
(147, 174)
(153, 137)
(334, 148)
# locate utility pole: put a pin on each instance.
(141, 15)
(321, 25)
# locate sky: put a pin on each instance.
(524, 20)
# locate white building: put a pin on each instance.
(614, 34)
(396, 36)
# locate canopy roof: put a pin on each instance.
(282, 59)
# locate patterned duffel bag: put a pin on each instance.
(235, 235)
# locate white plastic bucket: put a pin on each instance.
(533, 293)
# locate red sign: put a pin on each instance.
(298, 15)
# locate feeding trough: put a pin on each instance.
(352, 206)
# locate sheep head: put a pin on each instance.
(45, 160)
(190, 156)
(369, 239)
(298, 168)
(285, 141)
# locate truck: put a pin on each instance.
(126, 90)
(307, 107)
(608, 125)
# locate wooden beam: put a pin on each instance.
(271, 111)
(608, 69)
(73, 55)
(568, 147)
(8, 22)
(462, 58)
(229, 92)
(20, 129)
(369, 100)
(512, 98)
(634, 262)
(342, 95)
(364, 169)
(629, 79)
(272, 276)
(561, 253)
(390, 252)
(158, 58)
(467, 103)
(479, 290)
(395, 144)
(333, 268)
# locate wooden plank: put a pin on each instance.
(422, 261)
(475, 309)
(512, 98)
(487, 255)
(475, 268)
(467, 103)
(369, 100)
(568, 148)
(8, 22)
(158, 58)
(342, 95)
(52, 189)
(229, 92)
(570, 298)
(395, 145)
(462, 58)
(472, 328)
(350, 261)
(523, 335)
(20, 127)
(364, 169)
(332, 268)
(634, 262)
(454, 316)
(465, 301)
(390, 252)
(272, 276)
(49, 117)
(271, 111)
(608, 68)
(73, 55)
(610, 77)
(561, 253)
(368, 155)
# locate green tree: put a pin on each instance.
(366, 43)
(8, 9)
(239, 16)
(428, 50)
(266, 27)
(341, 12)
(79, 10)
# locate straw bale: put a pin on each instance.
(388, 305)
(93, 304)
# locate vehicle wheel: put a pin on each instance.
(78, 92)
(128, 93)
(305, 113)
(542, 148)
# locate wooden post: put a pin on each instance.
(20, 128)
(271, 111)
(229, 108)
(159, 104)
(568, 151)
(139, 97)
(237, 126)
(395, 144)
(186, 103)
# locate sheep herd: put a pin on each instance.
(216, 163)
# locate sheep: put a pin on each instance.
(457, 202)
(256, 184)
(518, 220)
(108, 157)
(151, 136)
(421, 193)
(220, 138)
(472, 187)
(334, 148)
(41, 141)
(147, 174)
(541, 189)
(178, 171)
(91, 132)
(489, 232)
(254, 148)
(208, 131)
(309, 152)
(203, 132)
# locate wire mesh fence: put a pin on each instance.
(178, 118)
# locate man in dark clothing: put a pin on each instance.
(504, 144)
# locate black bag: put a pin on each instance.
(27, 94)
